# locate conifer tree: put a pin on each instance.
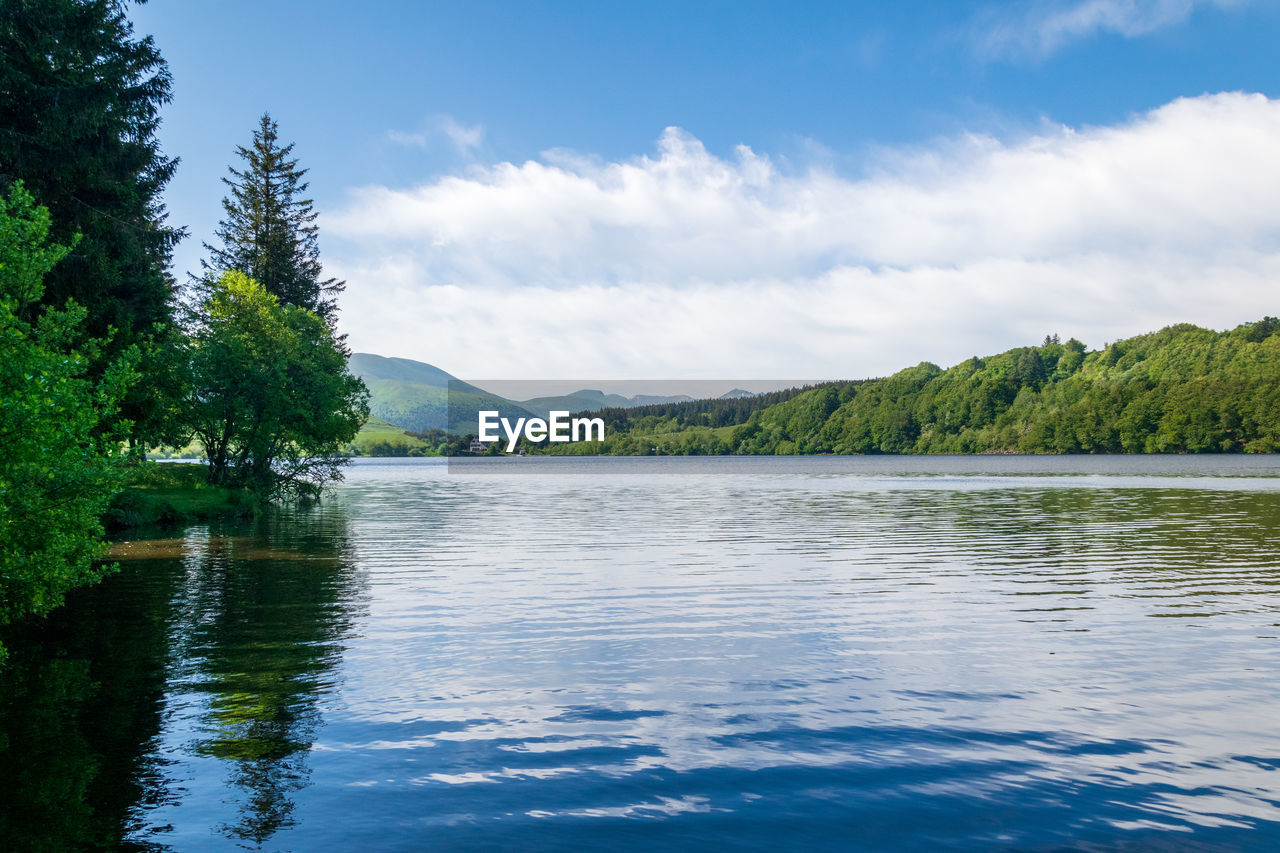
(80, 101)
(269, 231)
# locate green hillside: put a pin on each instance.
(369, 366)
(379, 438)
(1182, 389)
(415, 396)
(420, 408)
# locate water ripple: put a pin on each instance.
(752, 654)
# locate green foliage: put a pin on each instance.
(269, 231)
(446, 443)
(1182, 389)
(79, 109)
(719, 412)
(57, 472)
(271, 399)
(165, 494)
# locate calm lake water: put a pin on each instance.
(976, 653)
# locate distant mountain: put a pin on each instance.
(736, 394)
(656, 400)
(416, 396)
(369, 366)
(578, 401)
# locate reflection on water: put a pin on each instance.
(80, 701)
(224, 638)
(688, 653)
(257, 640)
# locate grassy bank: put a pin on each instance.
(376, 438)
(174, 493)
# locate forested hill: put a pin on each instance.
(715, 412)
(1181, 389)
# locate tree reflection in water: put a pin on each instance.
(242, 622)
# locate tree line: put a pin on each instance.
(712, 412)
(104, 352)
(1183, 389)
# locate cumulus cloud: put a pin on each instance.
(684, 263)
(1042, 28)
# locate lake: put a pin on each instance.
(971, 653)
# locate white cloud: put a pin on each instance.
(416, 139)
(1041, 28)
(687, 264)
(464, 139)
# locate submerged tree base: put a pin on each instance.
(159, 493)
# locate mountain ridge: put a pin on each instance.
(418, 396)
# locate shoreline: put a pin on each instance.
(161, 494)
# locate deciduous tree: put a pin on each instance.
(271, 398)
(57, 470)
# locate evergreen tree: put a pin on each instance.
(79, 108)
(57, 469)
(269, 232)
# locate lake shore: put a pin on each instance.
(168, 494)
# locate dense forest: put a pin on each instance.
(712, 412)
(1183, 389)
(102, 353)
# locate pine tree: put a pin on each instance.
(269, 232)
(79, 108)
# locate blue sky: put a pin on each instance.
(562, 188)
